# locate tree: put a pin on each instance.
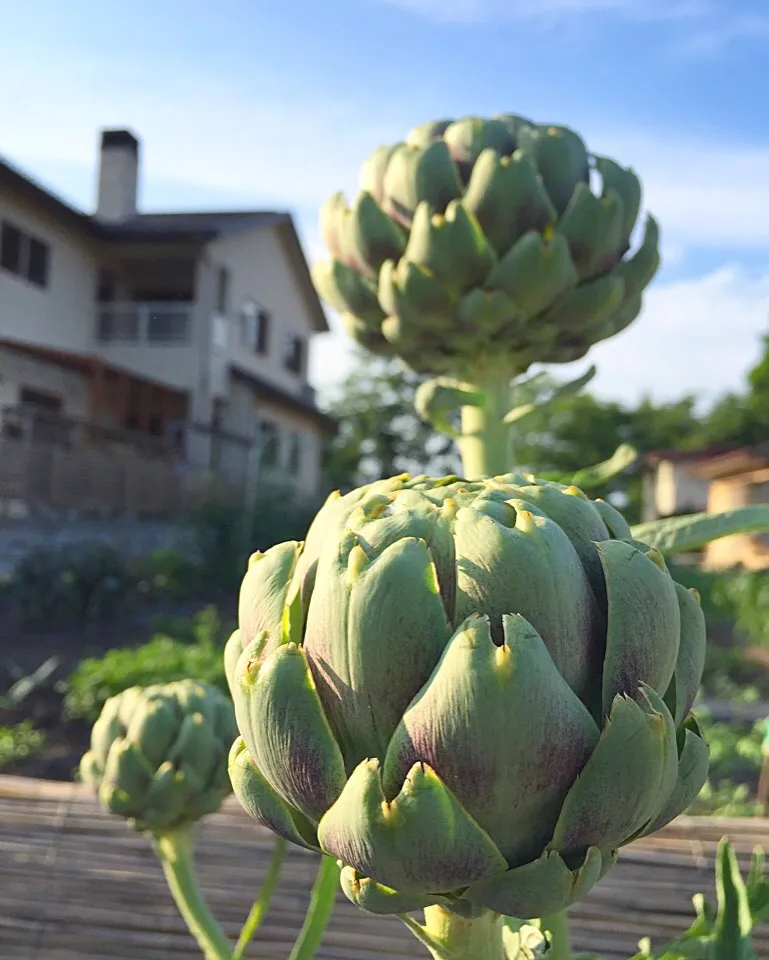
(379, 433)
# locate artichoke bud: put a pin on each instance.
(586, 305)
(416, 175)
(490, 697)
(165, 748)
(452, 247)
(411, 290)
(373, 237)
(347, 291)
(333, 215)
(638, 271)
(490, 310)
(535, 273)
(426, 133)
(513, 123)
(627, 186)
(468, 138)
(461, 200)
(561, 158)
(373, 172)
(154, 730)
(369, 338)
(508, 198)
(593, 229)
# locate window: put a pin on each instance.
(24, 256)
(40, 399)
(295, 453)
(270, 443)
(294, 359)
(10, 248)
(222, 289)
(37, 265)
(255, 326)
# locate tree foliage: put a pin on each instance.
(381, 435)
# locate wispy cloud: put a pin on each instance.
(699, 335)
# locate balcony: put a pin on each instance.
(145, 323)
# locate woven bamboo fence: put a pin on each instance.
(76, 884)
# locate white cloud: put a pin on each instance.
(698, 335)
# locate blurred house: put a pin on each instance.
(179, 339)
(714, 480)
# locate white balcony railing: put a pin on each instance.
(144, 323)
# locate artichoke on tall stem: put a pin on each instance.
(478, 247)
(158, 758)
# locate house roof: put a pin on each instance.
(733, 463)
(654, 457)
(195, 227)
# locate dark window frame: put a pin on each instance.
(31, 258)
(256, 337)
(12, 262)
(38, 262)
(222, 290)
(269, 439)
(295, 356)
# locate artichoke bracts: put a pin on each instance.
(471, 693)
(480, 245)
(158, 754)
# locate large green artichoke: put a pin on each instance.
(479, 244)
(158, 754)
(472, 694)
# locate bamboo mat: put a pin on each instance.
(76, 884)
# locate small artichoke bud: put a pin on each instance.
(158, 754)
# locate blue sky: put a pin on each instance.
(246, 103)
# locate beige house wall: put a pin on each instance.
(260, 270)
(18, 370)
(676, 491)
(60, 315)
(747, 550)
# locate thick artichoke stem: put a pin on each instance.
(556, 925)
(484, 442)
(457, 938)
(174, 850)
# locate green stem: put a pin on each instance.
(451, 937)
(319, 913)
(259, 909)
(485, 437)
(557, 926)
(174, 850)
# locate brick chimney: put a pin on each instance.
(118, 176)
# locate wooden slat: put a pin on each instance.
(76, 884)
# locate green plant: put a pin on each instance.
(723, 932)
(19, 742)
(456, 757)
(168, 572)
(218, 532)
(158, 758)
(735, 764)
(479, 245)
(71, 584)
(194, 651)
